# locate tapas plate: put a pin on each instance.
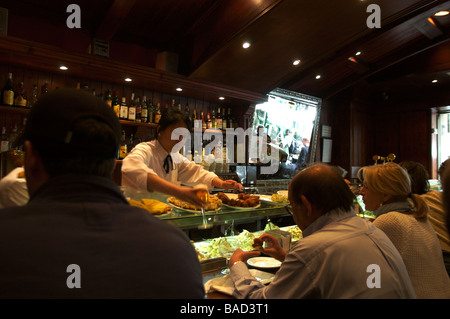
(283, 193)
(194, 211)
(264, 262)
(235, 196)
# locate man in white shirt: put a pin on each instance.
(340, 256)
(153, 166)
(13, 189)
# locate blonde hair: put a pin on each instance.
(391, 179)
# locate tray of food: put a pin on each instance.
(213, 204)
(153, 206)
(239, 201)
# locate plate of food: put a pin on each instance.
(153, 206)
(283, 193)
(214, 204)
(264, 262)
(239, 201)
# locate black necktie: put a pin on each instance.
(168, 164)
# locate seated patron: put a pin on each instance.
(336, 255)
(403, 217)
(78, 237)
(434, 200)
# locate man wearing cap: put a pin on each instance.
(78, 237)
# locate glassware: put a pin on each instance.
(203, 194)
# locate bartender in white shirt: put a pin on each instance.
(153, 166)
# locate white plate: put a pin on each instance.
(264, 262)
(283, 193)
(267, 198)
(192, 210)
(235, 196)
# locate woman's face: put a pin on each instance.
(372, 199)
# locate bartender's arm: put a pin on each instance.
(184, 193)
(227, 184)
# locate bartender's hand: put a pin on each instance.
(273, 249)
(240, 255)
(188, 194)
(228, 184)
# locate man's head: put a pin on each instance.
(316, 191)
(69, 131)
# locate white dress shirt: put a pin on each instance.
(13, 189)
(148, 158)
(332, 261)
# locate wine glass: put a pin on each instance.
(203, 194)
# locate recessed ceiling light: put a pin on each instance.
(434, 81)
(358, 53)
(246, 45)
(63, 67)
(179, 89)
(441, 13)
(318, 76)
(128, 80)
(221, 98)
(296, 62)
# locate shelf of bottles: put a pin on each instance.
(132, 111)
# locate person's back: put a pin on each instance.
(350, 258)
(419, 247)
(121, 250)
(78, 237)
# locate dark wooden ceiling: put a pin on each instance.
(207, 35)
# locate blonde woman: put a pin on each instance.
(403, 217)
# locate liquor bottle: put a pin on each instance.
(44, 88)
(132, 109)
(4, 142)
(224, 120)
(139, 109)
(172, 106)
(203, 122)
(229, 119)
(219, 119)
(187, 112)
(165, 109)
(21, 99)
(194, 114)
(8, 92)
(123, 145)
(34, 97)
(144, 110)
(115, 104)
(124, 109)
(158, 114)
(209, 123)
(108, 98)
(213, 118)
(130, 144)
(151, 112)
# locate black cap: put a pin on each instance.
(51, 121)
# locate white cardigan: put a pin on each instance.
(419, 247)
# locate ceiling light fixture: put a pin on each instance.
(221, 98)
(441, 13)
(318, 76)
(358, 53)
(128, 80)
(63, 67)
(179, 89)
(246, 45)
(434, 81)
(296, 62)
